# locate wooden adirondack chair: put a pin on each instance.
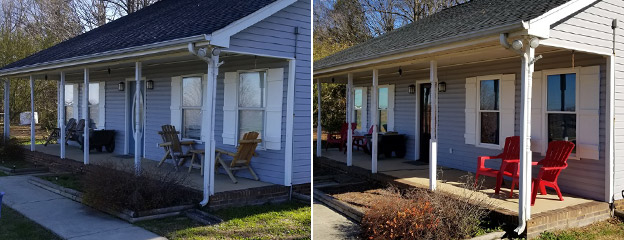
(511, 152)
(362, 141)
(56, 133)
(76, 132)
(556, 160)
(241, 159)
(340, 138)
(173, 146)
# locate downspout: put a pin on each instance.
(614, 26)
(212, 59)
(528, 60)
(292, 66)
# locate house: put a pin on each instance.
(489, 69)
(190, 64)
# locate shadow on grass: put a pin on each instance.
(289, 220)
(14, 225)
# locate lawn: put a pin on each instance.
(16, 164)
(14, 225)
(610, 229)
(290, 220)
(71, 181)
(2, 174)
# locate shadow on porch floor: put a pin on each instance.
(194, 179)
(412, 173)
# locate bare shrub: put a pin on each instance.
(105, 187)
(12, 150)
(421, 214)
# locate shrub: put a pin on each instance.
(12, 150)
(107, 188)
(421, 214)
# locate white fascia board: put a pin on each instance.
(132, 52)
(540, 26)
(222, 36)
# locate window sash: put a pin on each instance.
(261, 108)
(547, 112)
(480, 112)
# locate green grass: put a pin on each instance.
(17, 164)
(290, 220)
(67, 180)
(14, 225)
(2, 174)
(610, 229)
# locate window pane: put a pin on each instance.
(383, 98)
(358, 99)
(358, 119)
(94, 93)
(250, 121)
(562, 92)
(562, 126)
(489, 127)
(192, 123)
(69, 113)
(251, 89)
(69, 95)
(489, 95)
(383, 120)
(191, 92)
(94, 113)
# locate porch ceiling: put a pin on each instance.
(474, 54)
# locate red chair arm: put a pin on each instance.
(481, 160)
(552, 168)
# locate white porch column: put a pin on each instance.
(138, 68)
(211, 94)
(319, 132)
(7, 119)
(349, 119)
(609, 124)
(290, 117)
(32, 113)
(375, 120)
(61, 103)
(524, 206)
(433, 142)
(85, 114)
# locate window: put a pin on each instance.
(191, 107)
(382, 109)
(69, 102)
(489, 111)
(561, 107)
(251, 102)
(357, 107)
(94, 103)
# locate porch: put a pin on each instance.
(194, 180)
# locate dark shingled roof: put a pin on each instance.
(162, 21)
(462, 19)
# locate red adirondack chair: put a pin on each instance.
(353, 127)
(340, 138)
(511, 152)
(556, 160)
(361, 141)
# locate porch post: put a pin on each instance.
(85, 114)
(209, 159)
(32, 113)
(433, 142)
(524, 206)
(290, 115)
(137, 118)
(374, 113)
(349, 119)
(319, 132)
(609, 125)
(61, 103)
(7, 119)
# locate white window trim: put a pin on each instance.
(261, 145)
(182, 107)
(478, 142)
(544, 117)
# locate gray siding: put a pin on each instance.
(275, 36)
(591, 29)
(582, 177)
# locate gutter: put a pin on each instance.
(138, 51)
(359, 62)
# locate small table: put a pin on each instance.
(388, 143)
(201, 153)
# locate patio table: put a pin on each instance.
(387, 144)
(499, 177)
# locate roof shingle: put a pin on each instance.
(462, 19)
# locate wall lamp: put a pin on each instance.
(149, 84)
(442, 87)
(411, 89)
(121, 86)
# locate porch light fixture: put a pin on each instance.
(149, 84)
(401, 72)
(122, 86)
(442, 87)
(517, 45)
(411, 89)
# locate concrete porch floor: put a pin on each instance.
(193, 180)
(451, 180)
